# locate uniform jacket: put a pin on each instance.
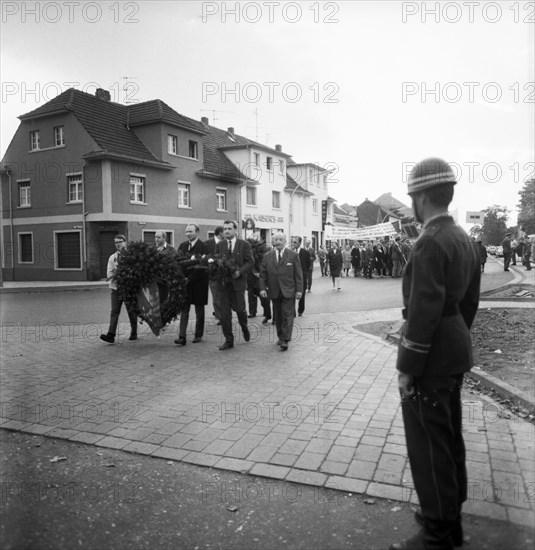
(506, 245)
(285, 278)
(441, 296)
(197, 287)
(242, 258)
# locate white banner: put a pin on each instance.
(333, 233)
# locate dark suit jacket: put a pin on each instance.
(197, 287)
(305, 259)
(286, 278)
(506, 245)
(242, 258)
(441, 296)
(210, 245)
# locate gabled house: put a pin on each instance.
(81, 169)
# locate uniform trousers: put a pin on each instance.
(230, 299)
(284, 314)
(435, 445)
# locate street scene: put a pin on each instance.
(266, 281)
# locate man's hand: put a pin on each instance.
(263, 294)
(298, 295)
(406, 385)
(236, 274)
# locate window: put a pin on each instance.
(59, 137)
(269, 163)
(184, 195)
(25, 248)
(221, 199)
(137, 189)
(25, 196)
(251, 195)
(257, 159)
(281, 166)
(193, 150)
(314, 206)
(68, 250)
(325, 181)
(276, 199)
(34, 140)
(74, 186)
(172, 145)
(311, 175)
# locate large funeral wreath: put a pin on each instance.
(141, 265)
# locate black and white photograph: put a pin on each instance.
(265, 275)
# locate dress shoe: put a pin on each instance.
(246, 334)
(265, 320)
(108, 338)
(226, 345)
(251, 316)
(457, 535)
(284, 346)
(133, 336)
(197, 339)
(218, 323)
(180, 341)
(279, 342)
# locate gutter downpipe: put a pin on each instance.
(84, 214)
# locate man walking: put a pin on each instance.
(507, 251)
(196, 287)
(312, 254)
(116, 301)
(210, 245)
(281, 280)
(440, 295)
(304, 259)
(232, 295)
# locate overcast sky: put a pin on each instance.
(367, 88)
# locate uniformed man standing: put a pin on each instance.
(440, 295)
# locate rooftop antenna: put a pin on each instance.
(127, 85)
(214, 111)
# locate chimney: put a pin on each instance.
(102, 94)
(278, 148)
(204, 120)
(231, 131)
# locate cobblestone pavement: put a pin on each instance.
(326, 412)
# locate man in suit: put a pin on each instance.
(232, 295)
(210, 245)
(507, 251)
(441, 295)
(281, 280)
(312, 253)
(161, 244)
(305, 261)
(196, 287)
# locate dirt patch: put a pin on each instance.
(503, 347)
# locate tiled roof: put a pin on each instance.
(292, 185)
(105, 122)
(390, 202)
(338, 210)
(157, 110)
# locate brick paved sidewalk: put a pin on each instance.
(324, 413)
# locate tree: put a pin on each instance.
(494, 225)
(475, 232)
(526, 206)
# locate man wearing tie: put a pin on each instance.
(196, 288)
(281, 280)
(232, 295)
